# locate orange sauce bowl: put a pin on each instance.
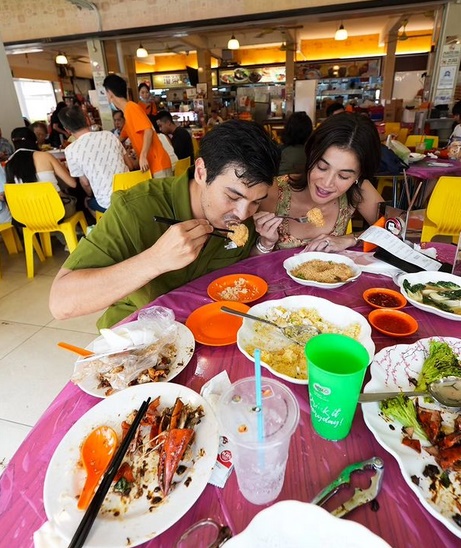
(381, 297)
(392, 322)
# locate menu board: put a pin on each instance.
(360, 68)
(173, 80)
(249, 75)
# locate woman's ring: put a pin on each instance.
(327, 243)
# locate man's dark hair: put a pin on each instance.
(164, 116)
(114, 112)
(334, 107)
(243, 145)
(72, 118)
(116, 84)
(298, 127)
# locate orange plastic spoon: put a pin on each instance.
(77, 349)
(97, 451)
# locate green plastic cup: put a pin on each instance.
(336, 365)
(429, 143)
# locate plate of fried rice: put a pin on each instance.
(283, 357)
(316, 269)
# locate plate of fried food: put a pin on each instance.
(163, 473)
(317, 269)
(285, 358)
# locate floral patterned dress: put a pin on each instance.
(287, 240)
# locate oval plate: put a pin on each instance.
(292, 262)
(270, 339)
(64, 477)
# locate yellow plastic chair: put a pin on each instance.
(415, 140)
(402, 135)
(99, 215)
(10, 238)
(442, 213)
(391, 127)
(123, 181)
(196, 147)
(349, 227)
(39, 207)
(181, 166)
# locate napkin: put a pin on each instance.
(211, 392)
(48, 537)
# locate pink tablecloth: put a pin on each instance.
(436, 169)
(313, 462)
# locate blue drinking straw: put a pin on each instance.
(259, 397)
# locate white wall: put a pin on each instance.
(10, 112)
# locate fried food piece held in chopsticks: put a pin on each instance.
(239, 235)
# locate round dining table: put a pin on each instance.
(397, 516)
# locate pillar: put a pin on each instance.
(10, 111)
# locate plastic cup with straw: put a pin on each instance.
(258, 415)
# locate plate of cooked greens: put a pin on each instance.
(422, 435)
(435, 292)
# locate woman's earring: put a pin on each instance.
(356, 182)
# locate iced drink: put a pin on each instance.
(260, 463)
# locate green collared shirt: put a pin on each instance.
(127, 228)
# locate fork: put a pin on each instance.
(297, 219)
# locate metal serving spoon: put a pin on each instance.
(446, 391)
(299, 334)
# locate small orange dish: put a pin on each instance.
(381, 297)
(393, 323)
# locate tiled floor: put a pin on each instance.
(33, 369)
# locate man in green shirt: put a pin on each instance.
(128, 259)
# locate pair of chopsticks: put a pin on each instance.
(167, 221)
(93, 509)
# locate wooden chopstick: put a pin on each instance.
(167, 221)
(93, 509)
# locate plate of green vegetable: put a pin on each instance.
(416, 431)
(435, 292)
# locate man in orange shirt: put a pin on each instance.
(139, 129)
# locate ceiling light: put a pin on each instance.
(141, 51)
(233, 43)
(341, 33)
(61, 59)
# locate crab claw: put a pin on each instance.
(174, 447)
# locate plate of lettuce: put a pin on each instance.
(399, 424)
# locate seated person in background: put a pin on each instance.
(334, 108)
(138, 128)
(214, 119)
(128, 260)
(298, 127)
(343, 156)
(5, 215)
(6, 148)
(94, 157)
(119, 122)
(29, 165)
(456, 134)
(58, 133)
(41, 132)
(180, 138)
(166, 143)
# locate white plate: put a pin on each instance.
(340, 316)
(439, 164)
(391, 370)
(64, 477)
(430, 276)
(299, 524)
(185, 343)
(415, 157)
(292, 262)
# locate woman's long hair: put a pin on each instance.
(20, 166)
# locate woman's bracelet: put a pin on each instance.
(261, 248)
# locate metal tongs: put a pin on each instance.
(360, 496)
